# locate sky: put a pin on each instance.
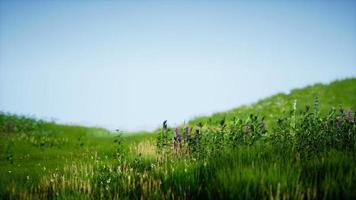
(130, 65)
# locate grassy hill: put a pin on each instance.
(30, 148)
(338, 93)
(307, 155)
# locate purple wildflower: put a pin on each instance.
(186, 133)
(178, 136)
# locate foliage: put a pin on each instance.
(12, 123)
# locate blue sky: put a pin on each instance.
(133, 64)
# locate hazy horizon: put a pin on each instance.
(131, 65)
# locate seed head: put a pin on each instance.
(165, 124)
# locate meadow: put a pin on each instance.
(300, 145)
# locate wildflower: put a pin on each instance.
(186, 133)
(178, 136)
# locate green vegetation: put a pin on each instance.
(335, 94)
(279, 147)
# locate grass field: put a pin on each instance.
(300, 145)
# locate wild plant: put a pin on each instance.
(255, 129)
(10, 123)
(236, 135)
(282, 138)
(200, 143)
(346, 130)
(163, 141)
(310, 133)
(120, 151)
(177, 141)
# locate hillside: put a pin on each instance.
(338, 93)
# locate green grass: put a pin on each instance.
(44, 160)
(341, 92)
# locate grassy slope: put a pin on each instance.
(341, 92)
(99, 140)
(70, 144)
(62, 146)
